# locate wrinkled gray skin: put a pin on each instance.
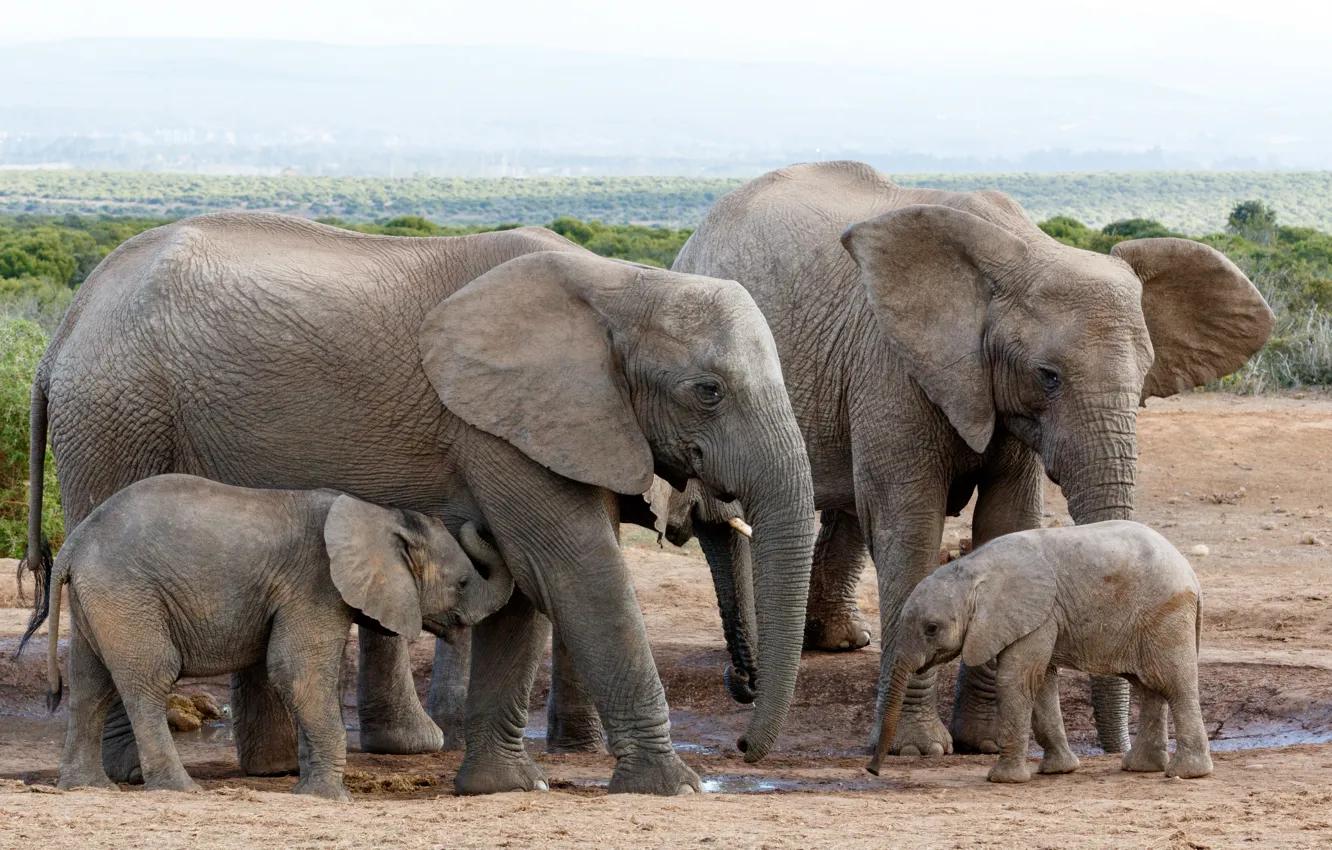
(938, 343)
(511, 379)
(225, 578)
(1111, 598)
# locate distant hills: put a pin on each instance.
(1191, 202)
(268, 107)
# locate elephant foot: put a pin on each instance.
(663, 774)
(843, 629)
(68, 782)
(1145, 760)
(172, 783)
(491, 775)
(1010, 770)
(920, 733)
(1189, 765)
(329, 788)
(1059, 762)
(405, 736)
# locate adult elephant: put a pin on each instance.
(937, 343)
(511, 378)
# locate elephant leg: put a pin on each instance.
(975, 723)
(1192, 758)
(1149, 753)
(506, 651)
(1019, 678)
(1048, 724)
(91, 692)
(732, 577)
(572, 722)
(265, 732)
(906, 549)
(306, 674)
(1009, 499)
(833, 621)
(1110, 709)
(447, 702)
(392, 718)
(120, 752)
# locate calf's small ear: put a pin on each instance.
(1014, 594)
(367, 555)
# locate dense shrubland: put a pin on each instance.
(43, 259)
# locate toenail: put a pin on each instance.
(541, 785)
(684, 789)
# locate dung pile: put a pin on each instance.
(188, 713)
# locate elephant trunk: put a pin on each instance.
(780, 509)
(480, 599)
(892, 712)
(1099, 487)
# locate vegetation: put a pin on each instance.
(21, 345)
(1187, 201)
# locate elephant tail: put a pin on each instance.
(37, 555)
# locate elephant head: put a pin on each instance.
(1001, 325)
(973, 607)
(606, 372)
(405, 571)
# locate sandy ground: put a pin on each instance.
(1250, 479)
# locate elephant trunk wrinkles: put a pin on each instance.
(892, 712)
(781, 510)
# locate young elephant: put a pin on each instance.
(180, 576)
(1107, 598)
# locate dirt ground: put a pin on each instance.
(1248, 478)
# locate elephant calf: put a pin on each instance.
(1108, 598)
(180, 576)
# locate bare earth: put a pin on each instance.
(1251, 479)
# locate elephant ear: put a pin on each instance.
(1014, 594)
(1204, 316)
(929, 272)
(367, 554)
(521, 353)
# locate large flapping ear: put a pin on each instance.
(367, 556)
(929, 272)
(520, 353)
(1014, 594)
(1205, 317)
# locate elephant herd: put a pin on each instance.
(825, 342)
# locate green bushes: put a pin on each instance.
(21, 345)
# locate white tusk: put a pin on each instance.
(740, 526)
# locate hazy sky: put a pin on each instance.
(1136, 37)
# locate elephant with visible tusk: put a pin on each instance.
(936, 344)
(509, 378)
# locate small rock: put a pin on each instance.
(1269, 526)
(1311, 539)
(1200, 551)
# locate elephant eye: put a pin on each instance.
(1049, 379)
(709, 392)
(931, 629)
